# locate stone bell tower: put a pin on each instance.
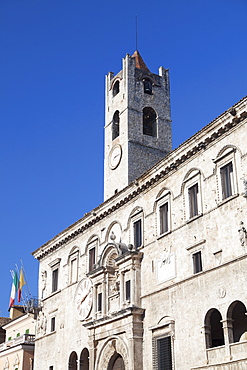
(137, 122)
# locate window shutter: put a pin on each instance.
(164, 353)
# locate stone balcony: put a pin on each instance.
(232, 356)
(23, 339)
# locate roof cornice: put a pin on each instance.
(207, 135)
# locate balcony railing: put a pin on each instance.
(22, 339)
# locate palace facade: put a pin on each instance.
(155, 277)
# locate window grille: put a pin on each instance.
(164, 353)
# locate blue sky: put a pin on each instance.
(53, 59)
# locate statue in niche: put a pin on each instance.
(242, 234)
(114, 284)
(41, 324)
(43, 282)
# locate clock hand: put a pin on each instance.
(85, 296)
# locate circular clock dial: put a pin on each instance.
(84, 298)
(115, 156)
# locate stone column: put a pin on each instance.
(94, 301)
(228, 337)
(121, 289)
(133, 286)
(104, 297)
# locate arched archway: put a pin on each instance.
(73, 361)
(237, 315)
(84, 359)
(214, 329)
(116, 362)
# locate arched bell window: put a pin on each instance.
(115, 89)
(147, 84)
(149, 121)
(115, 125)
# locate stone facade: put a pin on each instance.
(154, 277)
(17, 351)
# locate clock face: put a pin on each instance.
(115, 156)
(84, 298)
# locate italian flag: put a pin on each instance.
(13, 289)
(20, 285)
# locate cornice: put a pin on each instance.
(152, 177)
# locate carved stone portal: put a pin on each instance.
(112, 347)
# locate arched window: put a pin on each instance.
(115, 125)
(147, 84)
(237, 315)
(84, 359)
(149, 121)
(115, 89)
(214, 329)
(73, 361)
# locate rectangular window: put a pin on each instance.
(54, 280)
(138, 233)
(50, 367)
(73, 266)
(193, 200)
(226, 175)
(53, 324)
(164, 353)
(164, 218)
(127, 290)
(99, 302)
(197, 262)
(91, 258)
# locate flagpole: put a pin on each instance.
(25, 276)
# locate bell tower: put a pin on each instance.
(137, 122)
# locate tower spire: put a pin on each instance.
(139, 61)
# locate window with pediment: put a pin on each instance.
(73, 263)
(226, 171)
(55, 266)
(92, 251)
(162, 341)
(192, 185)
(163, 205)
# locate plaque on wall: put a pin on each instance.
(166, 267)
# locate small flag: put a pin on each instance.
(21, 283)
(13, 289)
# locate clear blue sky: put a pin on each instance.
(54, 55)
